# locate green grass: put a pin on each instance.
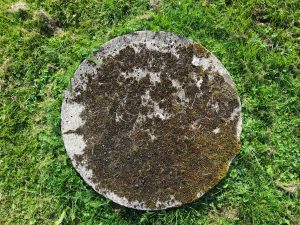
(256, 40)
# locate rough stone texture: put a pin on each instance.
(152, 120)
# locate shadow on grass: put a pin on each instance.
(201, 204)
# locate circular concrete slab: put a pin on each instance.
(152, 120)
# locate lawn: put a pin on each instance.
(43, 42)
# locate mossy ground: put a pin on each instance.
(257, 41)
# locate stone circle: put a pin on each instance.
(152, 120)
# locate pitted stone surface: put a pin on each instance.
(152, 120)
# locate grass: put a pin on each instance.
(41, 45)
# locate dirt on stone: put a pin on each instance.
(147, 158)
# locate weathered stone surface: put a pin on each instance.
(152, 120)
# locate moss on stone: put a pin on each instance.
(154, 159)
